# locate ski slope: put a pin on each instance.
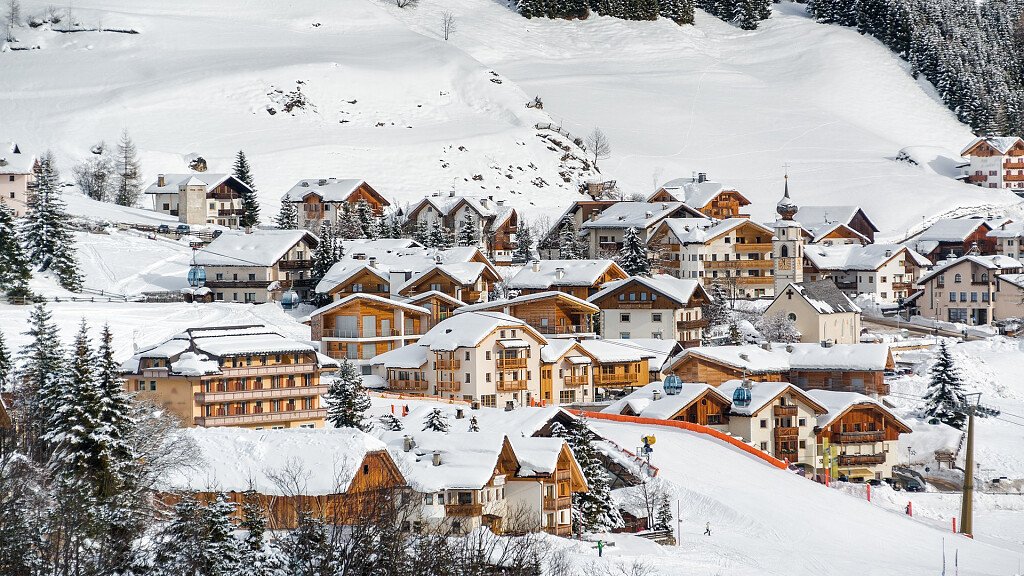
(413, 114)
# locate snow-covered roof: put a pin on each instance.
(823, 295)
(538, 456)
(680, 290)
(423, 296)
(328, 189)
(344, 270)
(192, 364)
(702, 230)
(820, 233)
(484, 207)
(992, 262)
(543, 274)
(761, 393)
(611, 351)
(465, 273)
(698, 194)
(657, 350)
(749, 357)
(641, 401)
(870, 357)
(371, 298)
(837, 403)
(1007, 230)
(951, 230)
(523, 421)
(1002, 144)
(467, 330)
(410, 356)
(1014, 279)
(172, 182)
(14, 161)
(257, 248)
(556, 348)
(468, 459)
(239, 459)
(400, 257)
(812, 217)
(859, 257)
(501, 304)
(639, 215)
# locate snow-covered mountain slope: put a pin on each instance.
(394, 103)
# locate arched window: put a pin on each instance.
(958, 278)
(784, 252)
(984, 276)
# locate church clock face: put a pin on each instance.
(785, 264)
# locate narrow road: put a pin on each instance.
(924, 330)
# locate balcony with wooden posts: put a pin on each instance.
(575, 380)
(560, 530)
(224, 212)
(448, 386)
(259, 394)
(409, 385)
(336, 332)
(516, 363)
(261, 418)
(303, 264)
(1013, 177)
(559, 503)
(464, 510)
(786, 432)
(691, 324)
(753, 246)
(272, 370)
(616, 379)
(739, 264)
(861, 459)
(447, 364)
(787, 410)
(858, 437)
(1014, 165)
(975, 178)
(553, 328)
(907, 286)
(511, 385)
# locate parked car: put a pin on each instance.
(163, 229)
(914, 486)
(217, 233)
(184, 229)
(896, 485)
(874, 482)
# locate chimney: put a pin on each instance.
(437, 459)
(373, 261)
(744, 356)
(535, 266)
(648, 214)
(559, 273)
(500, 202)
(321, 182)
(656, 395)
(702, 177)
(888, 253)
(451, 194)
(790, 348)
(305, 184)
(694, 176)
(460, 414)
(161, 181)
(664, 206)
(484, 202)
(407, 443)
(767, 346)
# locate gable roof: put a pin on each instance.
(821, 233)
(329, 189)
(371, 298)
(812, 217)
(952, 230)
(209, 179)
(609, 351)
(14, 161)
(463, 273)
(699, 194)
(703, 230)
(811, 356)
(680, 290)
(467, 330)
(657, 350)
(859, 257)
(1002, 144)
(410, 356)
(993, 262)
(345, 270)
(1016, 280)
(562, 273)
(641, 401)
(468, 459)
(638, 215)
(257, 248)
(422, 296)
(398, 256)
(556, 348)
(505, 302)
(822, 295)
(763, 393)
(749, 357)
(839, 403)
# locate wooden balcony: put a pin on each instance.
(786, 432)
(511, 385)
(261, 394)
(511, 363)
(975, 178)
(230, 212)
(753, 247)
(739, 264)
(357, 334)
(559, 503)
(788, 410)
(463, 509)
(575, 380)
(261, 418)
(618, 379)
(907, 286)
(273, 370)
(1010, 165)
(448, 386)
(562, 476)
(562, 329)
(858, 437)
(303, 264)
(560, 530)
(447, 364)
(861, 459)
(691, 324)
(411, 385)
(1013, 177)
(238, 283)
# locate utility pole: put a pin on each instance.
(967, 502)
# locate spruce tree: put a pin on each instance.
(222, 556)
(436, 421)
(391, 422)
(944, 399)
(250, 203)
(716, 311)
(467, 232)
(46, 233)
(633, 256)
(363, 214)
(523, 251)
(347, 401)
(474, 426)
(349, 224)
(39, 381)
(257, 556)
(735, 336)
(679, 11)
(569, 245)
(182, 543)
(327, 253)
(288, 216)
(594, 510)
(14, 267)
(663, 515)
(438, 236)
(421, 233)
(6, 364)
(129, 172)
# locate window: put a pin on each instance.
(624, 335)
(487, 377)
(963, 296)
(623, 317)
(801, 422)
(487, 355)
(952, 296)
(974, 296)
(467, 377)
(656, 317)
(958, 278)
(152, 385)
(803, 444)
(252, 277)
(764, 423)
(764, 446)
(467, 355)
(428, 499)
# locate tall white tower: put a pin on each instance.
(787, 244)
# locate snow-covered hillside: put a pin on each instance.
(394, 103)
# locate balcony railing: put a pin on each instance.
(753, 246)
(448, 386)
(902, 286)
(861, 459)
(1013, 165)
(620, 378)
(1013, 177)
(268, 370)
(237, 283)
(562, 475)
(341, 333)
(261, 394)
(447, 364)
(560, 530)
(575, 380)
(463, 509)
(511, 385)
(858, 437)
(559, 503)
(294, 264)
(691, 324)
(786, 432)
(230, 212)
(563, 329)
(414, 385)
(788, 410)
(261, 418)
(739, 264)
(511, 363)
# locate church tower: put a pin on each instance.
(787, 244)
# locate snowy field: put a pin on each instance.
(394, 103)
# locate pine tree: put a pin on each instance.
(679, 11)
(421, 233)
(129, 172)
(182, 543)
(327, 253)
(347, 401)
(663, 515)
(349, 225)
(39, 381)
(288, 216)
(222, 555)
(95, 175)
(735, 336)
(633, 256)
(116, 419)
(250, 203)
(14, 267)
(6, 364)
(716, 311)
(438, 236)
(569, 240)
(594, 510)
(257, 557)
(474, 426)
(945, 398)
(363, 214)
(524, 243)
(46, 234)
(436, 421)
(467, 232)
(391, 422)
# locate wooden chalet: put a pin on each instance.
(440, 305)
(579, 278)
(469, 282)
(717, 364)
(861, 435)
(363, 325)
(550, 313)
(616, 366)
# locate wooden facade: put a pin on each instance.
(612, 273)
(862, 381)
(440, 281)
(314, 207)
(369, 280)
(620, 375)
(986, 244)
(694, 368)
(841, 234)
(552, 314)
(364, 327)
(726, 204)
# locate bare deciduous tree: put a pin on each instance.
(598, 145)
(406, 3)
(447, 24)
